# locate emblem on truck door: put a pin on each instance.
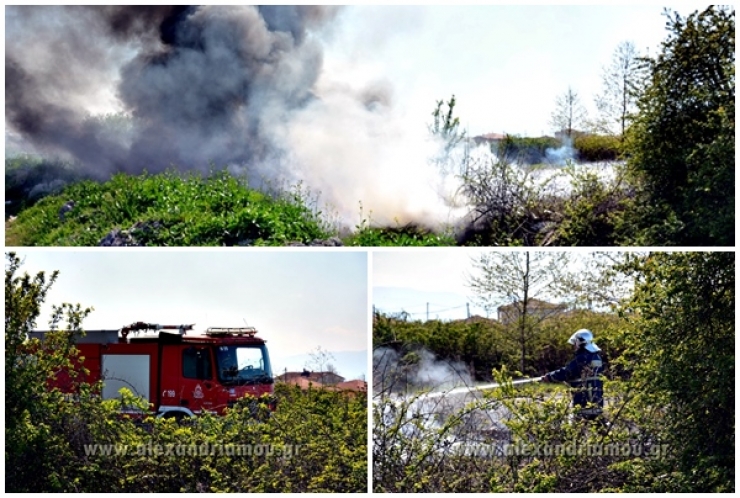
(198, 392)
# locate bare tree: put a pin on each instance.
(569, 113)
(622, 83)
(322, 362)
(521, 281)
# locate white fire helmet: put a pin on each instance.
(584, 337)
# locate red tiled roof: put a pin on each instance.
(353, 385)
(491, 136)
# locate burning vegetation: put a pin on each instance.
(151, 90)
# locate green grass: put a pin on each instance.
(178, 209)
(184, 210)
(401, 236)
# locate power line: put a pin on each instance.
(429, 311)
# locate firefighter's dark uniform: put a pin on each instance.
(582, 373)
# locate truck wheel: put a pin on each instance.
(179, 417)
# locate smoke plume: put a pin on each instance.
(225, 86)
(416, 370)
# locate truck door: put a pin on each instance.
(197, 383)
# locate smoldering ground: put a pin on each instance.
(241, 87)
(417, 396)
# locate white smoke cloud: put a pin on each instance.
(419, 370)
(355, 154)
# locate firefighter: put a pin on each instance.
(583, 375)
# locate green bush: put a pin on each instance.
(596, 148)
(591, 211)
(682, 142)
(680, 337)
(524, 150)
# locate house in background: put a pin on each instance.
(488, 138)
(320, 378)
(352, 386)
(510, 313)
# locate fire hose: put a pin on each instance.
(480, 388)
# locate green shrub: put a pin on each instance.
(597, 148)
(524, 150)
(588, 213)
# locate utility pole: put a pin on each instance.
(467, 306)
(427, 312)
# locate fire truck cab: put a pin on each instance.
(180, 374)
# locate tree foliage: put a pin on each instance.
(681, 344)
(682, 144)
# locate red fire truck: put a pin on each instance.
(181, 374)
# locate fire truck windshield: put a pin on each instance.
(240, 365)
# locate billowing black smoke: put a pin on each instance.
(199, 83)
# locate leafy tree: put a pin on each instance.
(682, 144)
(39, 452)
(681, 353)
(622, 83)
(569, 113)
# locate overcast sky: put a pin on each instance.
(505, 64)
(298, 300)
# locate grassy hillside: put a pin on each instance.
(175, 209)
(167, 209)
